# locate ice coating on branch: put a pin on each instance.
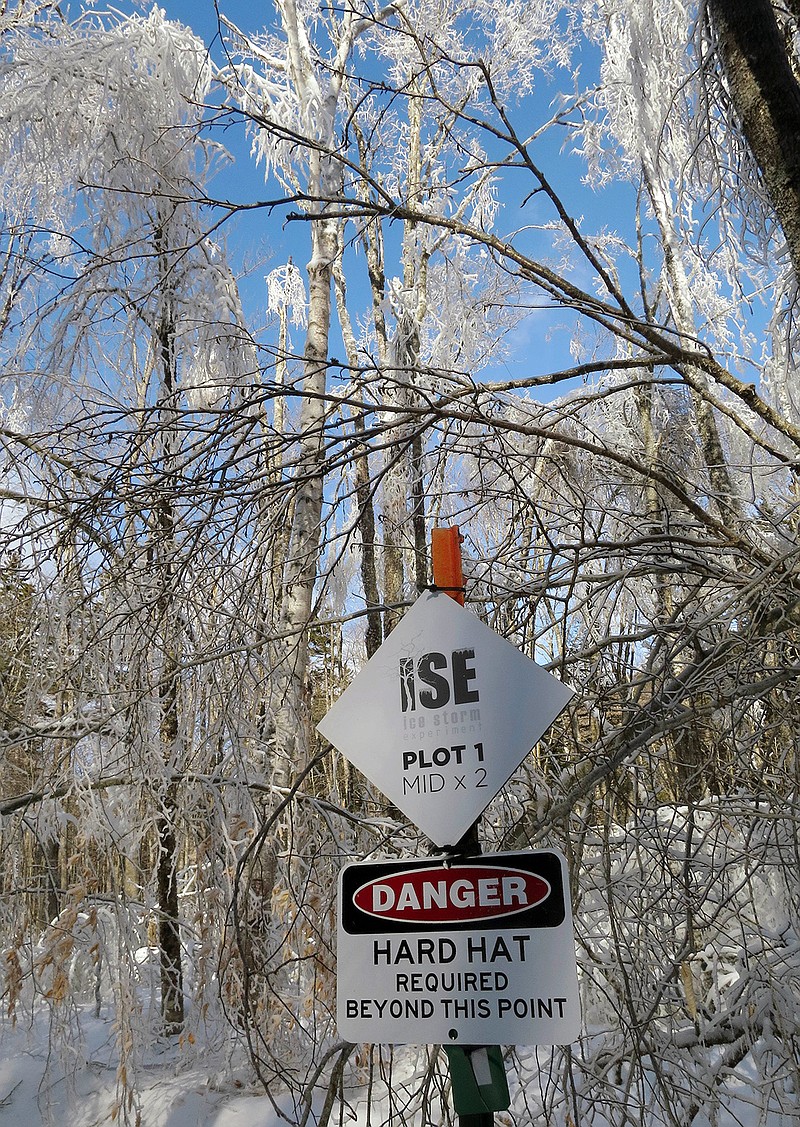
(656, 116)
(102, 122)
(98, 105)
(286, 291)
(222, 352)
(517, 42)
(291, 88)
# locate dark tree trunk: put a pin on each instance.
(169, 936)
(366, 520)
(418, 514)
(766, 97)
(172, 1003)
(51, 866)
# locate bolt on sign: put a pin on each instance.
(442, 715)
(478, 951)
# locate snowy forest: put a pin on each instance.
(278, 297)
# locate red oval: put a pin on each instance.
(452, 895)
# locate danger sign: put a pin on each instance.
(476, 951)
(468, 893)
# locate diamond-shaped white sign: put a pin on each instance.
(442, 715)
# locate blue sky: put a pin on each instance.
(259, 240)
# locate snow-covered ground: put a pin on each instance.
(200, 1088)
(35, 1089)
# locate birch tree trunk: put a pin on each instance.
(318, 101)
(304, 541)
(404, 488)
(364, 493)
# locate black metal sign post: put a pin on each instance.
(477, 1073)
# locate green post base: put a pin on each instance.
(479, 1084)
(485, 1119)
